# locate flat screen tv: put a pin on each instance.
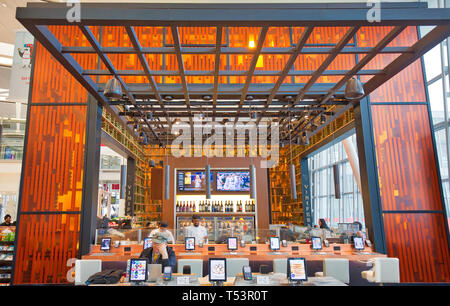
(192, 180)
(233, 181)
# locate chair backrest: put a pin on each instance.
(234, 266)
(386, 270)
(337, 268)
(84, 268)
(280, 265)
(196, 266)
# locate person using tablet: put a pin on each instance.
(160, 253)
(198, 231)
(163, 229)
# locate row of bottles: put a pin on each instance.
(215, 206)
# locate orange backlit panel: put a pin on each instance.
(243, 36)
(45, 243)
(53, 169)
(406, 86)
(406, 163)
(52, 186)
(328, 35)
(279, 37)
(52, 83)
(420, 242)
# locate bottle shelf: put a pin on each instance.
(240, 214)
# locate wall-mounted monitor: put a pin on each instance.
(297, 270)
(191, 180)
(234, 181)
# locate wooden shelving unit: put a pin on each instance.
(283, 208)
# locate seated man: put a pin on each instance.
(163, 229)
(160, 253)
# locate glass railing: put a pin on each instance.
(253, 236)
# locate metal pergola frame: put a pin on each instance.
(268, 101)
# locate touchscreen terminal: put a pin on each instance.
(138, 270)
(217, 270)
(316, 243)
(247, 272)
(167, 273)
(105, 244)
(358, 243)
(189, 243)
(297, 269)
(232, 243)
(274, 243)
(147, 242)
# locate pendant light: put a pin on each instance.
(113, 89)
(354, 89)
(208, 182)
(292, 166)
(167, 170)
(252, 166)
(252, 182)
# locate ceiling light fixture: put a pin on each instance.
(113, 90)
(354, 89)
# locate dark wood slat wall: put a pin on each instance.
(51, 191)
(412, 203)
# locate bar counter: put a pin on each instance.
(358, 261)
(125, 252)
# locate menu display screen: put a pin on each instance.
(233, 181)
(138, 270)
(232, 243)
(105, 244)
(192, 180)
(189, 243)
(297, 269)
(316, 243)
(274, 243)
(217, 269)
(359, 243)
(147, 242)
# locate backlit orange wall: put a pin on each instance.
(51, 191)
(408, 174)
(50, 206)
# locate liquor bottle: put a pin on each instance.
(253, 206)
(177, 208)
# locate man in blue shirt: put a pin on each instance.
(160, 253)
